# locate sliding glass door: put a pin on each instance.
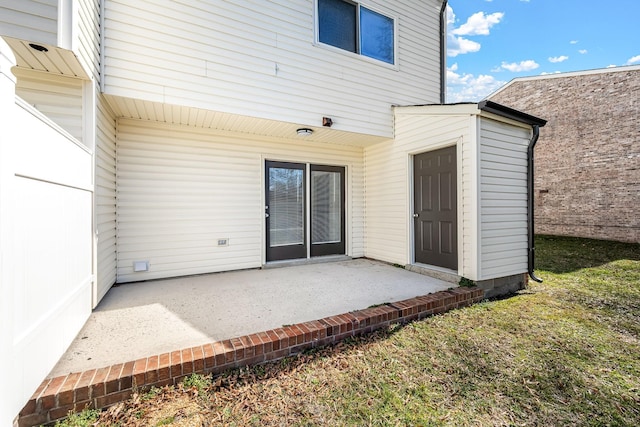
(287, 204)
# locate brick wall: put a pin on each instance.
(587, 160)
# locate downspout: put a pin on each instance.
(443, 52)
(530, 200)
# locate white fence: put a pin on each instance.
(46, 211)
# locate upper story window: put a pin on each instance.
(356, 28)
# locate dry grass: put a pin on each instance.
(565, 352)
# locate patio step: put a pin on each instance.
(306, 261)
(435, 272)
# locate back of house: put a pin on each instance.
(156, 139)
(236, 111)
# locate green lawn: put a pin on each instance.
(564, 352)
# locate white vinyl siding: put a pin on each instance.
(503, 199)
(57, 97)
(180, 189)
(260, 60)
(105, 197)
(492, 189)
(36, 21)
(87, 48)
(88, 45)
(389, 200)
(386, 204)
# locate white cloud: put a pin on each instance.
(544, 73)
(459, 46)
(556, 59)
(573, 42)
(527, 65)
(583, 51)
(477, 24)
(469, 88)
(611, 66)
(634, 60)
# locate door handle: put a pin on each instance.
(415, 215)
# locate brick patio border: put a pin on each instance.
(100, 388)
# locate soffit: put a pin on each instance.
(189, 116)
(55, 60)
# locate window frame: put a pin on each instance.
(358, 54)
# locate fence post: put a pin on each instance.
(10, 404)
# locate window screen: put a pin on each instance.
(337, 20)
(356, 28)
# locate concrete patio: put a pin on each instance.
(146, 318)
(158, 332)
(140, 319)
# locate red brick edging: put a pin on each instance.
(99, 388)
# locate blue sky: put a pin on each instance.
(490, 42)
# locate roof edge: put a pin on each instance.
(565, 74)
(477, 108)
(510, 113)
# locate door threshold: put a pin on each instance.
(306, 261)
(441, 273)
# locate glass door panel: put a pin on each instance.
(327, 210)
(326, 205)
(285, 211)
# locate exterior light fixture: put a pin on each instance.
(38, 47)
(327, 122)
(304, 131)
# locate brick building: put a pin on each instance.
(587, 160)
